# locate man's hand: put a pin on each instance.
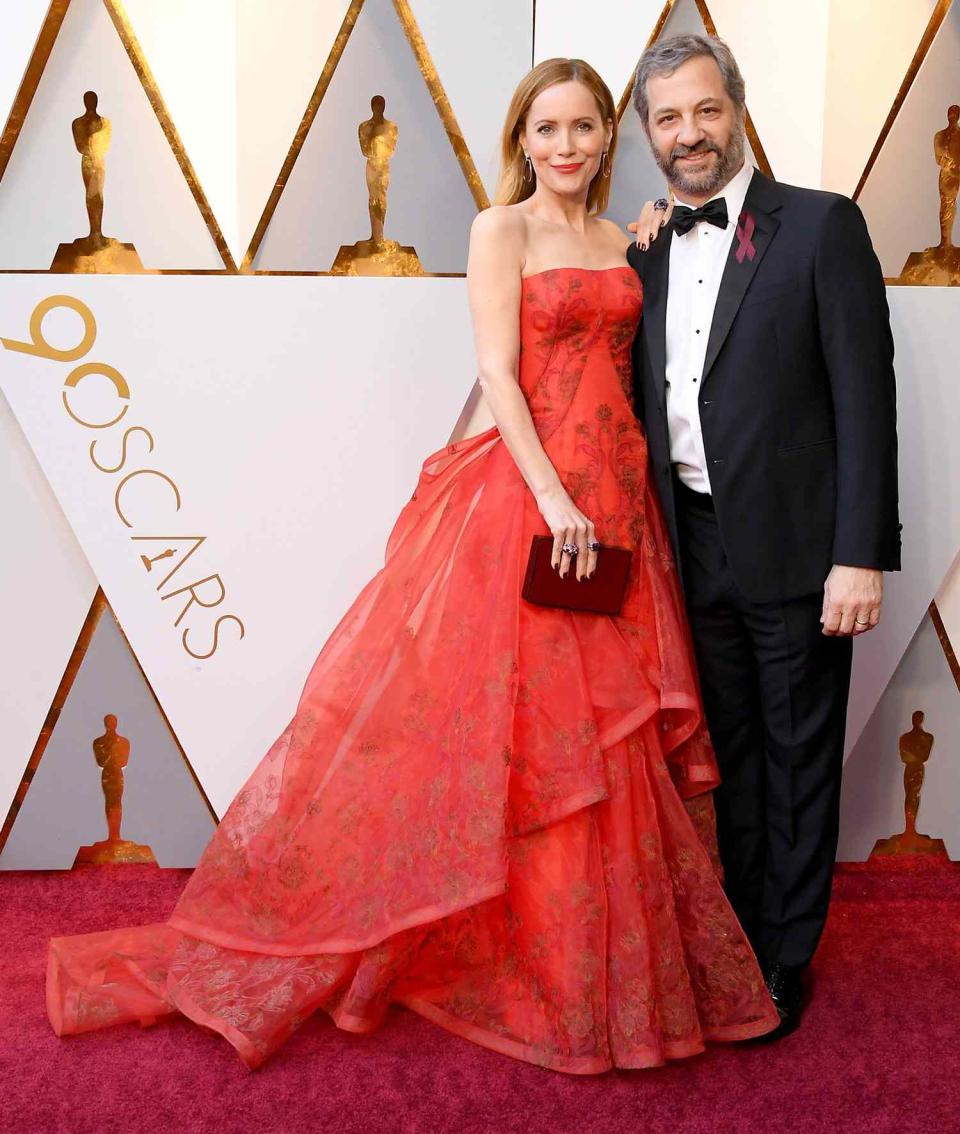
(852, 597)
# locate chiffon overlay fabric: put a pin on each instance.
(490, 812)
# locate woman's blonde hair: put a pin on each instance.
(515, 183)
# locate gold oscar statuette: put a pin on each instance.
(377, 256)
(915, 748)
(940, 266)
(148, 561)
(112, 753)
(95, 252)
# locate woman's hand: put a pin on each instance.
(652, 219)
(569, 527)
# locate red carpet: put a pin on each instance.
(879, 1049)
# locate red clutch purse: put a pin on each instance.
(603, 594)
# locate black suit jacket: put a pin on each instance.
(797, 396)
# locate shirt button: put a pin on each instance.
(698, 332)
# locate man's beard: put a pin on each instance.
(706, 182)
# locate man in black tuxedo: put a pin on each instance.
(764, 378)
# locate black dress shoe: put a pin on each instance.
(785, 985)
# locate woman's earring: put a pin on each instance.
(528, 174)
(604, 165)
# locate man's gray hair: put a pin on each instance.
(666, 55)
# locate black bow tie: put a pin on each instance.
(713, 212)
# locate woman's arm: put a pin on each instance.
(494, 283)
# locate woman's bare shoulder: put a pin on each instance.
(499, 223)
(614, 233)
(499, 234)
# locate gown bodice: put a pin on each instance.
(577, 327)
(577, 321)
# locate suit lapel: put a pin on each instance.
(762, 201)
(656, 278)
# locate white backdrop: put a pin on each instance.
(293, 444)
(293, 413)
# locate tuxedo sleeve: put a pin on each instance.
(857, 345)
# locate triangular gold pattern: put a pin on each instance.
(49, 31)
(442, 103)
(437, 93)
(912, 135)
(152, 91)
(98, 608)
(945, 643)
(929, 35)
(31, 81)
(74, 662)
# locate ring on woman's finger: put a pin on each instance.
(570, 549)
(593, 545)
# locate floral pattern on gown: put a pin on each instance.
(493, 813)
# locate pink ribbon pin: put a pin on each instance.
(745, 230)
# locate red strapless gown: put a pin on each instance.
(489, 812)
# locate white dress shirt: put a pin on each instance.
(697, 260)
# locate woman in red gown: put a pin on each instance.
(494, 813)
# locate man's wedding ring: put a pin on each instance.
(859, 623)
(570, 549)
(661, 204)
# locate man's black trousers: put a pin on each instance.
(775, 692)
